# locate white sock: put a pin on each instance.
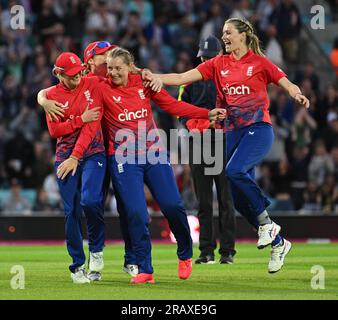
(264, 218)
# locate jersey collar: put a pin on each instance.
(247, 55)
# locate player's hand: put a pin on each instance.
(69, 165)
(302, 100)
(53, 108)
(156, 84)
(212, 125)
(152, 81)
(217, 114)
(147, 75)
(91, 115)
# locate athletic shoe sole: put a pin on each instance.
(287, 252)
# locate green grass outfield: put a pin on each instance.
(47, 276)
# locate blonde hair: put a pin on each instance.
(252, 40)
(124, 54)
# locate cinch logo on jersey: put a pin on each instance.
(239, 90)
(88, 97)
(132, 115)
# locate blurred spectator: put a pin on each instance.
(308, 72)
(73, 12)
(132, 37)
(186, 36)
(3, 136)
(159, 37)
(47, 23)
(281, 180)
(16, 204)
(302, 127)
(312, 199)
(334, 9)
(42, 166)
(242, 10)
(19, 159)
(27, 122)
(277, 152)
(282, 107)
(42, 204)
(328, 102)
(101, 23)
(218, 13)
(328, 196)
(189, 199)
(336, 199)
(299, 174)
(37, 73)
(263, 13)
(263, 176)
(334, 55)
(287, 20)
(334, 156)
(273, 49)
(52, 191)
(187, 187)
(3, 178)
(144, 8)
(330, 134)
(10, 96)
(321, 164)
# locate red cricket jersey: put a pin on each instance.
(73, 136)
(128, 107)
(242, 86)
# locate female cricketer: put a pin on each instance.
(241, 79)
(130, 109)
(79, 147)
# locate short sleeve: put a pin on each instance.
(272, 72)
(207, 69)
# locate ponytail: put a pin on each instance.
(254, 44)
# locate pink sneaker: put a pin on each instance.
(184, 268)
(143, 278)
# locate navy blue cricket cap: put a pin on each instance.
(209, 47)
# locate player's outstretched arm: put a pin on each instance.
(175, 79)
(294, 92)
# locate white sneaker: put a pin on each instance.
(94, 276)
(80, 275)
(96, 261)
(266, 234)
(131, 269)
(278, 254)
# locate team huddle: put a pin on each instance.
(86, 113)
